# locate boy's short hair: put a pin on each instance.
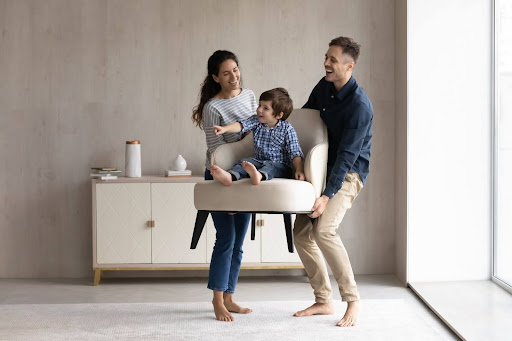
(281, 101)
(348, 46)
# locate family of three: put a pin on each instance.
(226, 111)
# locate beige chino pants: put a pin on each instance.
(314, 239)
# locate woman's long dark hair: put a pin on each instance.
(209, 87)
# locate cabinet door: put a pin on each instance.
(122, 211)
(274, 248)
(174, 215)
(252, 248)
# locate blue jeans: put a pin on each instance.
(227, 251)
(268, 169)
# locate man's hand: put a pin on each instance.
(319, 206)
(219, 130)
(299, 175)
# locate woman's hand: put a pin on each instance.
(299, 175)
(219, 130)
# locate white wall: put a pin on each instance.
(79, 78)
(449, 140)
(401, 140)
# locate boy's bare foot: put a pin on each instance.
(316, 309)
(351, 315)
(221, 313)
(221, 175)
(253, 172)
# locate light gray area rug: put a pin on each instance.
(379, 320)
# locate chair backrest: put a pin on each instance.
(310, 129)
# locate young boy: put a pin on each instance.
(276, 146)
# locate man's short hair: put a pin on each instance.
(281, 101)
(348, 45)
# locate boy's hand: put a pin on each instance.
(298, 164)
(299, 175)
(219, 130)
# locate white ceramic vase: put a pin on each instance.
(180, 164)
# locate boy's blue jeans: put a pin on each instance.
(269, 169)
(227, 251)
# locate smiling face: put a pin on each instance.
(229, 76)
(266, 114)
(338, 67)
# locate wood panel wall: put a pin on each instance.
(79, 78)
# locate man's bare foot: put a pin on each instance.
(221, 313)
(351, 315)
(253, 172)
(316, 309)
(221, 175)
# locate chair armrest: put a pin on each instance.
(226, 155)
(315, 167)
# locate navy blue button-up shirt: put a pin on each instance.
(348, 115)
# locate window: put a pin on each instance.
(502, 264)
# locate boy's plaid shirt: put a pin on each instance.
(277, 144)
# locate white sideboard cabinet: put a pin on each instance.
(147, 223)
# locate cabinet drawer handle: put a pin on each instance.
(150, 223)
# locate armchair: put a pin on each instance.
(277, 196)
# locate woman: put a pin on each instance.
(224, 101)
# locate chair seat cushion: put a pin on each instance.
(276, 195)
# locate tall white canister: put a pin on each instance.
(132, 159)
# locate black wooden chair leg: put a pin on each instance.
(288, 228)
(201, 217)
(253, 226)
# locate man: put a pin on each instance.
(348, 114)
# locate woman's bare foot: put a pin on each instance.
(316, 309)
(221, 313)
(253, 172)
(351, 315)
(231, 306)
(221, 175)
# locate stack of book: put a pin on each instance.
(104, 173)
(178, 174)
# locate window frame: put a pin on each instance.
(494, 153)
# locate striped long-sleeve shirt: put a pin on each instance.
(222, 112)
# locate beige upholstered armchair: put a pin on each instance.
(283, 196)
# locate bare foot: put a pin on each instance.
(253, 172)
(221, 313)
(221, 175)
(235, 308)
(316, 309)
(351, 315)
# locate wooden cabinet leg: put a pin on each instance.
(97, 276)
